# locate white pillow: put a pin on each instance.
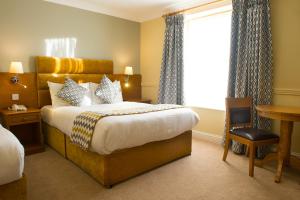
(87, 99)
(56, 101)
(118, 92)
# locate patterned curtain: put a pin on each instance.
(250, 71)
(171, 75)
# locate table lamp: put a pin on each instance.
(128, 71)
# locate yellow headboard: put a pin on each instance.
(80, 70)
(73, 66)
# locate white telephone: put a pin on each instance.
(16, 107)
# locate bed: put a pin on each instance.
(12, 179)
(112, 158)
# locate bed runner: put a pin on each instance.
(85, 123)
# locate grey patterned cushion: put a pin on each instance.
(105, 90)
(109, 92)
(71, 92)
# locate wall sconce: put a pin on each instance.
(128, 71)
(16, 68)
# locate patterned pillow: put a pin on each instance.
(72, 93)
(106, 90)
(95, 99)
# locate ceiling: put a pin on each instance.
(135, 10)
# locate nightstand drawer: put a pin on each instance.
(23, 118)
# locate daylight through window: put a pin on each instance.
(206, 57)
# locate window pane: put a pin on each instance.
(206, 57)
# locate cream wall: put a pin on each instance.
(25, 24)
(152, 33)
(285, 17)
(286, 45)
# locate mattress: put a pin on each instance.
(120, 132)
(11, 157)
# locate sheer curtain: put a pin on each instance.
(61, 47)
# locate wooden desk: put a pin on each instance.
(287, 116)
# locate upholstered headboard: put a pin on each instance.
(81, 70)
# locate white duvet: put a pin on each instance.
(120, 132)
(11, 157)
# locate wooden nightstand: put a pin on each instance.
(139, 100)
(26, 126)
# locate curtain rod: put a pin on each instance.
(192, 8)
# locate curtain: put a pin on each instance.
(250, 70)
(61, 47)
(171, 75)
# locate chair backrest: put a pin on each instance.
(238, 112)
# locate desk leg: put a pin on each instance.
(284, 147)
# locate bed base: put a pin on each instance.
(123, 164)
(15, 190)
(54, 138)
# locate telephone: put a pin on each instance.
(16, 107)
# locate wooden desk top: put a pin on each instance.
(11, 112)
(287, 113)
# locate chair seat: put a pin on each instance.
(254, 134)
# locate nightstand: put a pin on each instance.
(139, 100)
(26, 126)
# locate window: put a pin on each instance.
(61, 47)
(206, 57)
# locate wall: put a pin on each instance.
(27, 96)
(285, 17)
(286, 42)
(26, 24)
(152, 33)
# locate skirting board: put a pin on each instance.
(296, 154)
(218, 139)
(207, 137)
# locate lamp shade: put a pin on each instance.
(128, 70)
(16, 68)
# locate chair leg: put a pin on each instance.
(247, 150)
(251, 159)
(226, 147)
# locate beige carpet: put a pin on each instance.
(202, 176)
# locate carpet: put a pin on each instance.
(201, 176)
